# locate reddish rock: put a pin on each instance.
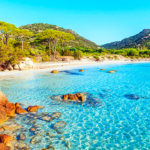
(81, 70)
(3, 114)
(72, 97)
(4, 147)
(6, 139)
(81, 97)
(32, 129)
(54, 71)
(17, 105)
(33, 108)
(65, 97)
(111, 71)
(10, 109)
(20, 110)
(3, 99)
(78, 97)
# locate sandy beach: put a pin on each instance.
(76, 64)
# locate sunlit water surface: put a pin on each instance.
(119, 122)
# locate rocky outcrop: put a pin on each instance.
(59, 125)
(4, 147)
(132, 96)
(19, 109)
(3, 99)
(3, 115)
(10, 109)
(24, 65)
(6, 139)
(78, 97)
(33, 108)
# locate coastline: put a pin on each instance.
(60, 66)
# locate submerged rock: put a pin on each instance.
(57, 98)
(50, 147)
(32, 129)
(132, 96)
(36, 139)
(68, 144)
(22, 136)
(21, 146)
(55, 115)
(10, 127)
(59, 125)
(46, 118)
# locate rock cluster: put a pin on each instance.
(8, 110)
(77, 97)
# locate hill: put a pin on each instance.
(141, 39)
(79, 42)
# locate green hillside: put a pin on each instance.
(139, 40)
(79, 40)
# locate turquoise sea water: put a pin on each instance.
(117, 116)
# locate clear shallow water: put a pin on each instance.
(120, 123)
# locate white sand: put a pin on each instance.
(49, 66)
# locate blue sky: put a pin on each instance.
(97, 20)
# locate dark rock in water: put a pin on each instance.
(59, 125)
(132, 96)
(56, 115)
(50, 147)
(36, 139)
(51, 135)
(21, 146)
(32, 129)
(103, 95)
(22, 136)
(57, 98)
(46, 118)
(67, 144)
(44, 114)
(59, 131)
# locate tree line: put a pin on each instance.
(15, 42)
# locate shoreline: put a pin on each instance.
(61, 66)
